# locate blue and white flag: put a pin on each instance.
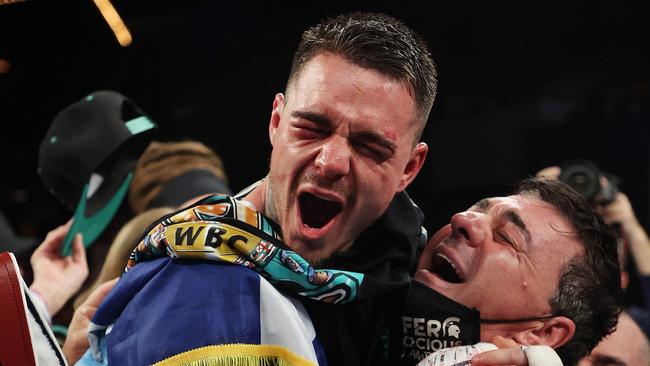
(194, 312)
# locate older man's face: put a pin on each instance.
(342, 148)
(503, 256)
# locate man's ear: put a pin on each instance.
(414, 165)
(553, 332)
(625, 279)
(276, 113)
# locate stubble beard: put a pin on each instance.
(269, 205)
(272, 212)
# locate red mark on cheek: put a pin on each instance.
(390, 134)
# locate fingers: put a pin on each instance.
(54, 240)
(503, 342)
(97, 296)
(77, 341)
(78, 250)
(507, 356)
(618, 211)
(550, 172)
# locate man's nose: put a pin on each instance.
(470, 225)
(333, 160)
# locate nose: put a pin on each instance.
(333, 160)
(470, 225)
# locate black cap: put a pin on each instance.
(87, 158)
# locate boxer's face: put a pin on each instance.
(342, 148)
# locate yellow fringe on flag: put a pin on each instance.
(237, 355)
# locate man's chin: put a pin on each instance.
(317, 245)
(312, 255)
(315, 260)
(434, 282)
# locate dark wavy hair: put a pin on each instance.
(589, 291)
(379, 42)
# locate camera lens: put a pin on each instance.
(580, 181)
(583, 176)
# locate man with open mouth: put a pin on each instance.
(346, 144)
(538, 267)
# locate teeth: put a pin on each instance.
(448, 261)
(325, 198)
(462, 279)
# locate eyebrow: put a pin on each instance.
(602, 360)
(371, 137)
(509, 215)
(311, 116)
(366, 136)
(483, 204)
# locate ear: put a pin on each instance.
(625, 279)
(553, 332)
(276, 113)
(418, 154)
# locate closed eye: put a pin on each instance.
(310, 125)
(505, 238)
(374, 153)
(311, 132)
(373, 145)
(308, 131)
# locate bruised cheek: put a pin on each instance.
(390, 133)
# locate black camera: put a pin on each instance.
(585, 177)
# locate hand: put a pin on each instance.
(509, 353)
(618, 211)
(76, 343)
(57, 278)
(552, 172)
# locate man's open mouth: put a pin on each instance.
(445, 269)
(317, 212)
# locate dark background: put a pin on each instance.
(523, 85)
